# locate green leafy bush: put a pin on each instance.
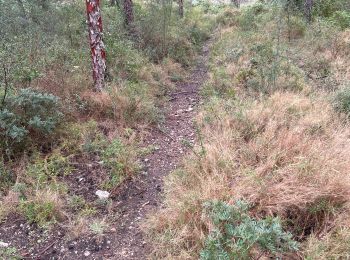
(38, 213)
(326, 8)
(28, 116)
(249, 19)
(121, 162)
(43, 208)
(341, 19)
(235, 233)
(296, 27)
(341, 100)
(228, 17)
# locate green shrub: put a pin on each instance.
(44, 209)
(326, 8)
(10, 253)
(247, 21)
(198, 34)
(28, 116)
(38, 213)
(296, 27)
(236, 234)
(249, 18)
(6, 178)
(42, 169)
(341, 19)
(120, 161)
(228, 17)
(220, 84)
(341, 100)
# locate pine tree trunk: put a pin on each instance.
(181, 8)
(236, 3)
(308, 10)
(22, 9)
(98, 53)
(128, 14)
(44, 5)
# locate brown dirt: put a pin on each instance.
(131, 201)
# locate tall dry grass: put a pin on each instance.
(288, 156)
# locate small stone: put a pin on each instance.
(3, 244)
(87, 253)
(102, 194)
(113, 229)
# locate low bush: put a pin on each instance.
(43, 208)
(341, 19)
(235, 235)
(121, 162)
(228, 17)
(326, 8)
(28, 117)
(296, 27)
(341, 100)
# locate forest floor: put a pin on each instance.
(132, 201)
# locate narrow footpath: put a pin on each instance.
(143, 194)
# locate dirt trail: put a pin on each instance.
(143, 194)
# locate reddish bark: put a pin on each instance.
(128, 13)
(181, 8)
(98, 52)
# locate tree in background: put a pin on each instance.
(181, 8)
(128, 14)
(98, 53)
(236, 3)
(23, 12)
(308, 9)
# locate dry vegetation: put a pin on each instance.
(270, 136)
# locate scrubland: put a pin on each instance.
(270, 174)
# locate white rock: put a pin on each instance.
(3, 244)
(102, 194)
(87, 253)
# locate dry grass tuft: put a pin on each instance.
(99, 105)
(286, 156)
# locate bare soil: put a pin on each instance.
(132, 201)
